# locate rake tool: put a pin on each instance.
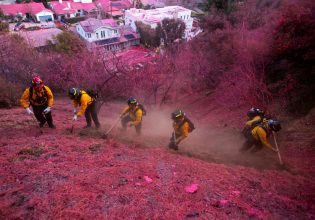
(277, 147)
(72, 127)
(111, 128)
(35, 121)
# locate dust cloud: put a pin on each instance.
(206, 142)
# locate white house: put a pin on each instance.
(154, 16)
(44, 15)
(106, 33)
(93, 29)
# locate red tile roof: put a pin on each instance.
(32, 8)
(108, 5)
(67, 7)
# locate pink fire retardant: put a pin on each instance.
(191, 188)
(148, 179)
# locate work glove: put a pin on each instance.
(75, 117)
(130, 125)
(29, 111)
(47, 110)
(74, 111)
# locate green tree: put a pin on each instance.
(170, 29)
(4, 27)
(226, 6)
(68, 43)
(45, 2)
(1, 14)
(149, 36)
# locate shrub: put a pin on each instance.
(34, 28)
(75, 20)
(4, 27)
(292, 72)
(10, 93)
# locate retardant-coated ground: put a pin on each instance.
(59, 175)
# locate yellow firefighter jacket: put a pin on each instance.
(84, 102)
(253, 121)
(38, 98)
(181, 128)
(134, 113)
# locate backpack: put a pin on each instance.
(92, 93)
(191, 125)
(31, 90)
(144, 112)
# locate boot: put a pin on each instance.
(173, 146)
(52, 126)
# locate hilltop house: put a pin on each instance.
(114, 8)
(107, 34)
(33, 10)
(155, 16)
(68, 9)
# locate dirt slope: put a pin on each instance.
(58, 175)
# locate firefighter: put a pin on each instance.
(87, 102)
(132, 115)
(40, 98)
(259, 135)
(182, 127)
(255, 116)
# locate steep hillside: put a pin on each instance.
(61, 175)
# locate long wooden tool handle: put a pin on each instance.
(174, 137)
(113, 126)
(276, 144)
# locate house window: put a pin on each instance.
(102, 34)
(97, 35)
(115, 31)
(89, 35)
